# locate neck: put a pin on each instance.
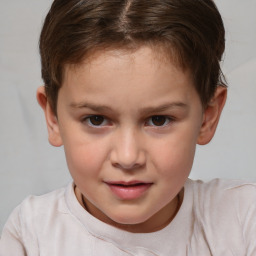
(155, 223)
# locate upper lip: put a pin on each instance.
(127, 183)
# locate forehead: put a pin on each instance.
(158, 52)
(133, 77)
(128, 58)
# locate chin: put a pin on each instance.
(129, 218)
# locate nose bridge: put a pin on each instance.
(128, 151)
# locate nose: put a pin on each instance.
(128, 152)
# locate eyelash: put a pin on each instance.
(166, 120)
(149, 122)
(87, 120)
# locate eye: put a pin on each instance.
(95, 120)
(158, 121)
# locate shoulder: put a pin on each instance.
(224, 207)
(39, 207)
(34, 202)
(225, 195)
(216, 185)
(220, 189)
(46, 202)
(30, 218)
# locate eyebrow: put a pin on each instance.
(164, 107)
(145, 110)
(98, 108)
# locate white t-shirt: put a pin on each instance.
(216, 218)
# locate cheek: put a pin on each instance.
(174, 157)
(84, 158)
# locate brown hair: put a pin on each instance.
(192, 29)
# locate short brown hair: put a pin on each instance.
(192, 29)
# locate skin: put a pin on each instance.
(127, 144)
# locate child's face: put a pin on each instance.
(129, 123)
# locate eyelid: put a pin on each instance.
(169, 118)
(106, 122)
(86, 119)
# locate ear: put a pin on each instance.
(51, 119)
(212, 115)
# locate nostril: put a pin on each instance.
(127, 167)
(127, 153)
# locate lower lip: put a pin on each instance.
(129, 192)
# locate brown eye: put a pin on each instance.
(158, 121)
(96, 120)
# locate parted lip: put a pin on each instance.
(127, 183)
(128, 190)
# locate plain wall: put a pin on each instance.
(29, 165)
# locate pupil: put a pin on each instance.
(96, 120)
(158, 120)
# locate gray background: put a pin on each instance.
(29, 165)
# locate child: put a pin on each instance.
(130, 88)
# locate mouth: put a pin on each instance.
(129, 190)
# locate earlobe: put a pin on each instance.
(54, 136)
(212, 115)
